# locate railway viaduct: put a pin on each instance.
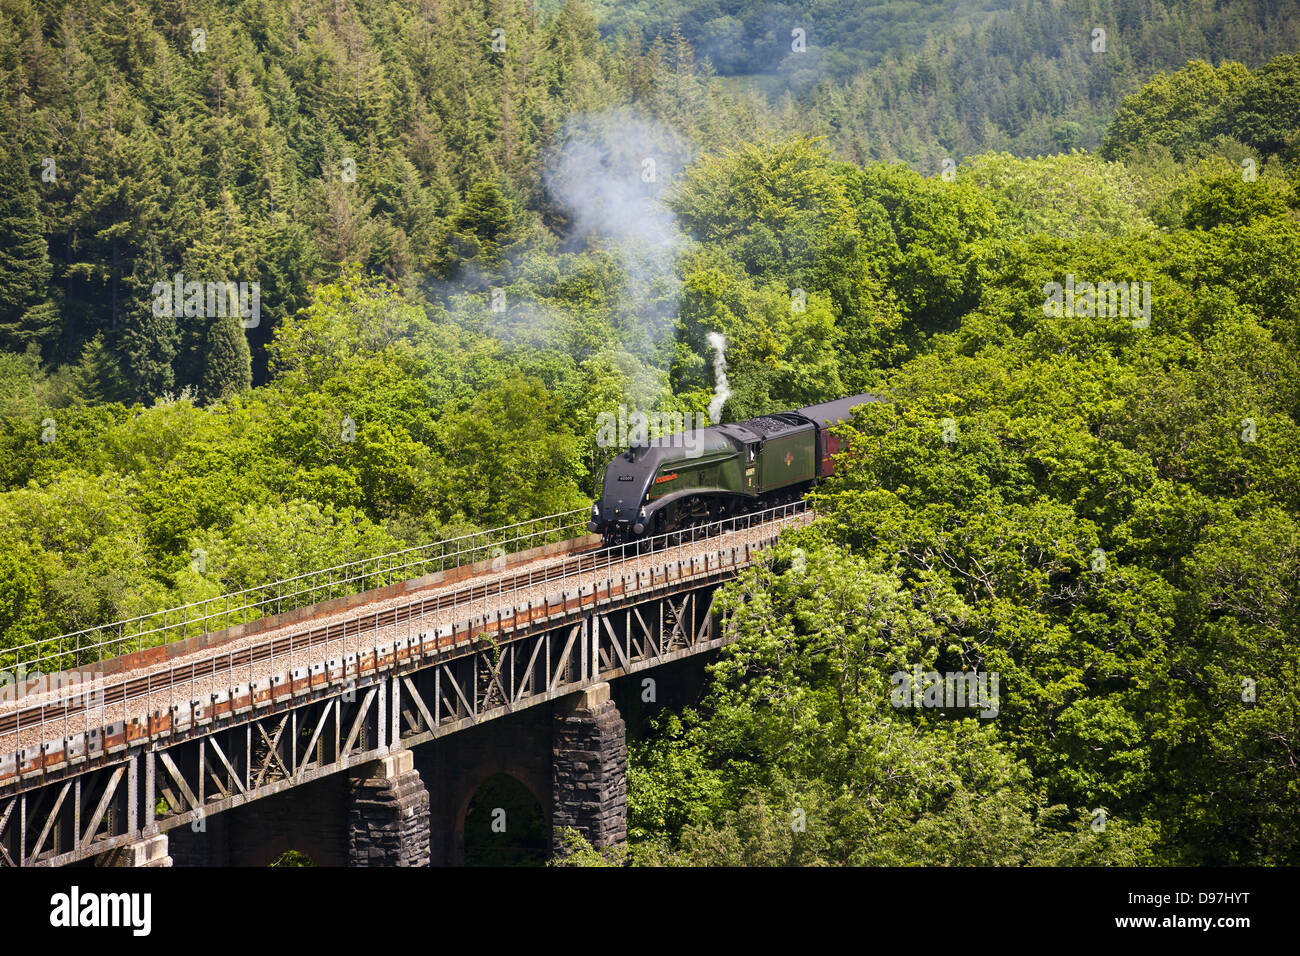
(426, 708)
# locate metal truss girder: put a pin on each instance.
(329, 708)
(494, 675)
(621, 652)
(51, 819)
(357, 724)
(415, 697)
(562, 664)
(178, 778)
(4, 822)
(233, 775)
(272, 751)
(110, 789)
(460, 695)
(437, 693)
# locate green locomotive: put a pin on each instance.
(671, 483)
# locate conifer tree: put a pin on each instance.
(149, 335)
(26, 315)
(227, 364)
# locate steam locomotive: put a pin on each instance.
(680, 481)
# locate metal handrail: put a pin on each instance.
(433, 615)
(78, 648)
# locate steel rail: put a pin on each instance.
(78, 648)
(162, 681)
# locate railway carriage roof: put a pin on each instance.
(831, 413)
(735, 435)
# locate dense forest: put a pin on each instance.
(929, 80)
(473, 227)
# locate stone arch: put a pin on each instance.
(506, 799)
(535, 783)
(454, 767)
(270, 850)
(312, 819)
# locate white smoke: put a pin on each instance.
(610, 176)
(721, 389)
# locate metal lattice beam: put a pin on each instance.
(404, 693)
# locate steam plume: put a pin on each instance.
(721, 390)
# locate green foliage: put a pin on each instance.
(227, 363)
(799, 759)
(941, 248)
(294, 143)
(292, 858)
(1228, 201)
(1264, 113)
(1193, 109)
(922, 82)
(784, 212)
(1176, 109)
(1024, 78)
(575, 850)
(26, 317)
(483, 226)
(1102, 514)
(1067, 195)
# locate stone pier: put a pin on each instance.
(388, 820)
(589, 768)
(151, 851)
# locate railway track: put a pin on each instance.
(130, 688)
(72, 702)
